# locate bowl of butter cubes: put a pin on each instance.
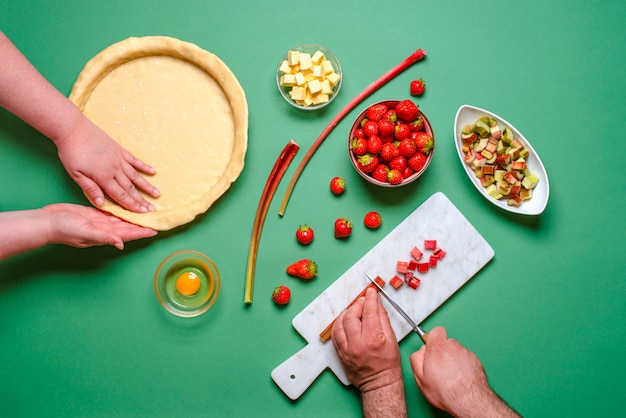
(309, 76)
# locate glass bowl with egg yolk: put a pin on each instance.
(187, 283)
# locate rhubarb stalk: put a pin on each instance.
(283, 161)
(385, 78)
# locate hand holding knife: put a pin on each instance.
(422, 334)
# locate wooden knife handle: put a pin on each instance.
(326, 334)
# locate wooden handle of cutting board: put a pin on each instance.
(326, 334)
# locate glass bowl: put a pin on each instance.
(322, 97)
(367, 176)
(169, 285)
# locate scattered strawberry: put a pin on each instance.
(372, 220)
(281, 295)
(402, 131)
(407, 147)
(376, 112)
(343, 228)
(386, 127)
(305, 234)
(417, 87)
(370, 128)
(407, 110)
(394, 177)
(367, 163)
(358, 146)
(380, 172)
(374, 144)
(417, 161)
(337, 185)
(304, 269)
(424, 142)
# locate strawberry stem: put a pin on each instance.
(280, 166)
(385, 78)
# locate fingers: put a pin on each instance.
(92, 191)
(437, 334)
(417, 364)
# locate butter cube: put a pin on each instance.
(288, 80)
(320, 98)
(306, 63)
(333, 78)
(293, 57)
(317, 71)
(326, 88)
(315, 86)
(327, 67)
(284, 67)
(298, 93)
(300, 79)
(318, 57)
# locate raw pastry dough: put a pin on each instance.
(175, 106)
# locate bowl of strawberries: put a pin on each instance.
(391, 143)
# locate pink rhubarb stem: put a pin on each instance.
(385, 78)
(283, 161)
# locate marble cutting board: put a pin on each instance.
(437, 218)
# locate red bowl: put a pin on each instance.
(367, 176)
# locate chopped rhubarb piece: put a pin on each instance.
(408, 276)
(430, 244)
(422, 267)
(416, 253)
(439, 253)
(412, 265)
(432, 262)
(402, 267)
(414, 282)
(396, 282)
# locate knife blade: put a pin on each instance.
(418, 330)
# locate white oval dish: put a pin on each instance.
(535, 206)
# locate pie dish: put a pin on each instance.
(178, 108)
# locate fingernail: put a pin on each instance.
(99, 201)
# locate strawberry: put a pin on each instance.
(358, 146)
(304, 269)
(391, 116)
(407, 147)
(380, 172)
(399, 163)
(343, 228)
(386, 127)
(374, 144)
(376, 112)
(372, 220)
(281, 295)
(337, 185)
(417, 87)
(394, 177)
(358, 133)
(304, 234)
(407, 110)
(389, 151)
(424, 142)
(370, 128)
(417, 161)
(402, 131)
(367, 163)
(408, 171)
(417, 124)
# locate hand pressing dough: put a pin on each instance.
(175, 106)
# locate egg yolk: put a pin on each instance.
(188, 283)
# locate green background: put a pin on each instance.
(81, 331)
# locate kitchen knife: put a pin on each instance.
(423, 334)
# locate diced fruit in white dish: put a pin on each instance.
(535, 187)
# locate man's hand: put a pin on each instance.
(452, 378)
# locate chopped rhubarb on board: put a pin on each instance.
(416, 253)
(430, 244)
(414, 282)
(402, 267)
(432, 261)
(422, 267)
(396, 282)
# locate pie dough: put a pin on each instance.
(176, 107)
